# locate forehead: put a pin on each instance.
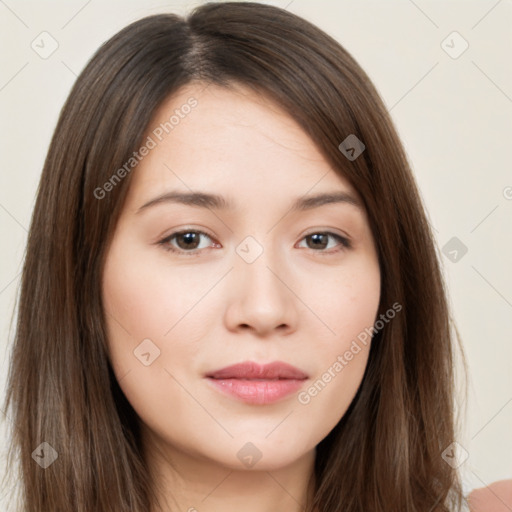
(230, 141)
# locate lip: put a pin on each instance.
(253, 383)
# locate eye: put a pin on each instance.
(320, 241)
(188, 242)
(185, 241)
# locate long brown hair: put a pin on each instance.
(385, 453)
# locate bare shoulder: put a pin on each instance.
(496, 497)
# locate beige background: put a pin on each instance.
(454, 116)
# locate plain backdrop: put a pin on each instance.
(443, 70)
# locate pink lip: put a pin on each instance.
(258, 384)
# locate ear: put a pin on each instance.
(496, 497)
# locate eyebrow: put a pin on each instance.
(218, 202)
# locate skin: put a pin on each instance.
(497, 497)
(298, 302)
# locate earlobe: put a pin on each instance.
(496, 497)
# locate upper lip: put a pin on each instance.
(252, 370)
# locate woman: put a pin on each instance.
(231, 296)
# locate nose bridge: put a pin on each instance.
(262, 300)
(256, 266)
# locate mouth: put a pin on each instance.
(257, 384)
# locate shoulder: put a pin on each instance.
(496, 497)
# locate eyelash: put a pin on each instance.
(164, 243)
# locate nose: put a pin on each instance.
(261, 299)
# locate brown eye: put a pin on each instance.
(318, 241)
(185, 241)
(321, 241)
(189, 240)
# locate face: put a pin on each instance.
(263, 269)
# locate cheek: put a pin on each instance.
(145, 296)
(345, 301)
(348, 305)
(140, 304)
(155, 316)
(146, 306)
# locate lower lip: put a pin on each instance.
(257, 391)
